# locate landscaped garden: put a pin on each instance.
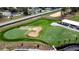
(50, 35)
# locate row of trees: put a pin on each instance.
(72, 10)
(21, 9)
(64, 10)
(14, 10)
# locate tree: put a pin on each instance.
(74, 9)
(1, 15)
(43, 8)
(58, 42)
(64, 41)
(12, 10)
(5, 8)
(25, 11)
(76, 38)
(63, 11)
(69, 40)
(20, 9)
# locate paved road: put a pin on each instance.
(27, 17)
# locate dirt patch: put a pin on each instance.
(2, 20)
(57, 14)
(9, 46)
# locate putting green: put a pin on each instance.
(15, 34)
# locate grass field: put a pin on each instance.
(50, 34)
(75, 18)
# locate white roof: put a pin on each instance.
(71, 22)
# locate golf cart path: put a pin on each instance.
(56, 24)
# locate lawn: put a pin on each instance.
(50, 34)
(75, 18)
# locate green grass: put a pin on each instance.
(75, 18)
(52, 35)
(15, 34)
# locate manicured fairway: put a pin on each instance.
(50, 34)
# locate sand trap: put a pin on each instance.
(37, 29)
(57, 14)
(35, 32)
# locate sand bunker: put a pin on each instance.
(35, 32)
(57, 14)
(37, 29)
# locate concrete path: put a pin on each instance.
(67, 27)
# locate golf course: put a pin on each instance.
(51, 35)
